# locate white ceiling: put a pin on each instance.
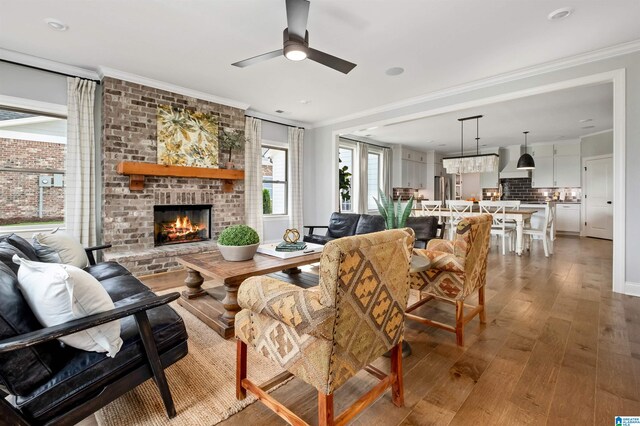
(550, 117)
(192, 43)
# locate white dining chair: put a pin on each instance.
(510, 205)
(499, 227)
(432, 208)
(545, 232)
(457, 209)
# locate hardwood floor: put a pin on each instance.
(559, 347)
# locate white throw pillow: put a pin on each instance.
(58, 293)
(59, 247)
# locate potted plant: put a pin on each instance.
(238, 242)
(230, 140)
(394, 216)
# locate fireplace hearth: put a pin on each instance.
(179, 224)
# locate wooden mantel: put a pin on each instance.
(138, 170)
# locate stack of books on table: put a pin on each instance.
(285, 246)
(285, 250)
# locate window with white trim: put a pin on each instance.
(275, 200)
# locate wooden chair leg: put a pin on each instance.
(325, 409)
(397, 387)
(460, 322)
(150, 348)
(483, 315)
(241, 368)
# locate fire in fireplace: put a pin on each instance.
(181, 224)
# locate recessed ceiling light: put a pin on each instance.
(588, 127)
(559, 14)
(586, 120)
(305, 101)
(367, 135)
(442, 144)
(484, 144)
(280, 111)
(394, 71)
(56, 25)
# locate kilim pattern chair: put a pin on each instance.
(327, 335)
(457, 269)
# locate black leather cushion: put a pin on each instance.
(123, 287)
(6, 254)
(370, 223)
(88, 372)
(317, 239)
(23, 370)
(425, 227)
(342, 224)
(105, 270)
(21, 244)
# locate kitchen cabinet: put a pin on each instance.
(557, 166)
(568, 217)
(489, 179)
(409, 169)
(413, 174)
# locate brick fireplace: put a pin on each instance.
(129, 133)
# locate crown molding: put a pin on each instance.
(597, 133)
(46, 64)
(547, 67)
(174, 88)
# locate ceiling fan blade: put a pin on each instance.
(297, 16)
(330, 61)
(259, 58)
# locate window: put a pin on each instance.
(274, 181)
(345, 177)
(351, 193)
(32, 171)
(374, 171)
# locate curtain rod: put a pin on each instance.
(51, 71)
(274, 122)
(367, 143)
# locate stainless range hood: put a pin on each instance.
(510, 170)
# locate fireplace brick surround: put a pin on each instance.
(129, 133)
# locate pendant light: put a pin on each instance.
(479, 163)
(525, 162)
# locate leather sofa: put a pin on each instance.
(42, 381)
(347, 224)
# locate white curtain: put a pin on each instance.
(295, 138)
(253, 174)
(80, 209)
(386, 172)
(363, 177)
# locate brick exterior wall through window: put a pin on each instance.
(21, 164)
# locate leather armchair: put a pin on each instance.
(457, 269)
(48, 383)
(324, 336)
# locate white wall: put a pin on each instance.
(319, 188)
(28, 83)
(598, 144)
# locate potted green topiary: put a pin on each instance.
(238, 242)
(230, 140)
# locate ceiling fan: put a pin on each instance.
(296, 42)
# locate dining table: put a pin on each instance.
(519, 217)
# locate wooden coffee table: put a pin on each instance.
(217, 307)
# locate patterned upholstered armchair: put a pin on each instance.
(324, 336)
(457, 269)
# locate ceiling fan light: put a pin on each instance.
(525, 162)
(295, 53)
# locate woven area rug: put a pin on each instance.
(202, 384)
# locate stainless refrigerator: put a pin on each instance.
(442, 188)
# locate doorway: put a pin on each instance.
(598, 196)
